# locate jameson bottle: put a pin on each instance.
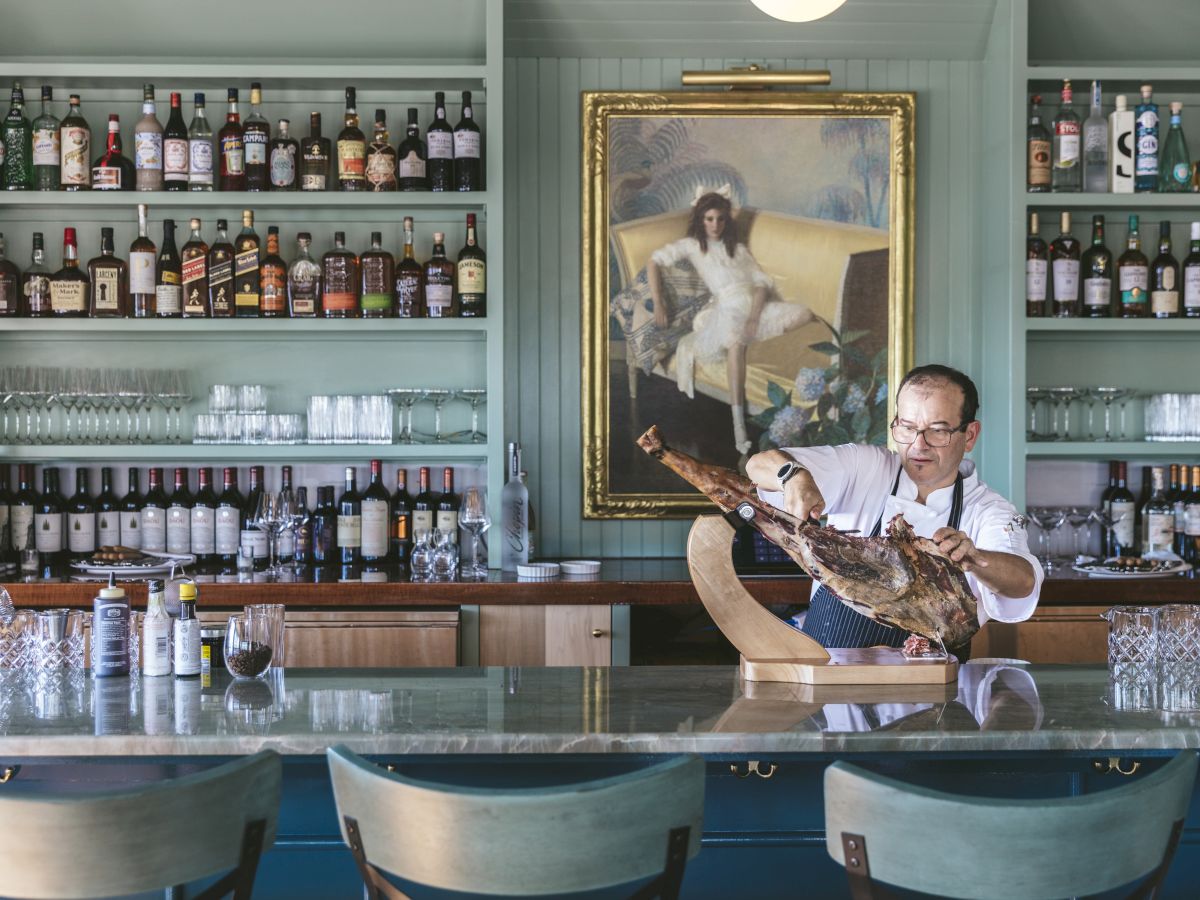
(471, 276)
(75, 148)
(1097, 274)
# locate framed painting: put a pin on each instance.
(747, 280)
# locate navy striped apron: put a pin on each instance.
(834, 624)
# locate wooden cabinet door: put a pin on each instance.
(372, 640)
(1053, 634)
(578, 636)
(545, 635)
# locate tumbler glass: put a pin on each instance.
(248, 648)
(274, 613)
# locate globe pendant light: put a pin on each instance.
(798, 10)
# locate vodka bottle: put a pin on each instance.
(1095, 147)
(1067, 171)
(514, 515)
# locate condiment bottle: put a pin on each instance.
(110, 631)
(156, 632)
(187, 634)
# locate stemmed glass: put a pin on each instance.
(473, 516)
(267, 518)
(1080, 519)
(407, 398)
(1107, 395)
(439, 396)
(474, 396)
(1046, 518)
(1034, 395)
(1063, 396)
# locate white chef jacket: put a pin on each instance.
(856, 481)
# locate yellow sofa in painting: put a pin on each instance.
(809, 259)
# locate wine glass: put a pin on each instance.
(266, 518)
(1034, 395)
(1063, 396)
(473, 517)
(1080, 519)
(1046, 518)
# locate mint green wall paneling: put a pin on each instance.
(545, 458)
(933, 142)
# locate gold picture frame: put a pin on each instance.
(644, 155)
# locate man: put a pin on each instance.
(929, 482)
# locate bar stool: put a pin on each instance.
(527, 841)
(912, 837)
(124, 842)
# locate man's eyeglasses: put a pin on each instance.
(934, 437)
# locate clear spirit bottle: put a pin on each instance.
(46, 145)
(200, 149)
(1067, 174)
(1145, 164)
(1175, 170)
(1095, 146)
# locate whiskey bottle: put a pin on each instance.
(256, 134)
(16, 134)
(220, 274)
(410, 279)
(284, 151)
(10, 295)
(468, 150)
(439, 281)
(247, 287)
(113, 171)
(471, 276)
(175, 147)
(75, 147)
(412, 155)
(200, 148)
(381, 157)
(273, 280)
(195, 274)
(1164, 277)
(148, 145)
(1133, 275)
(1067, 174)
(304, 281)
(69, 286)
(46, 146)
(1037, 144)
(378, 280)
(1097, 274)
(439, 139)
(233, 148)
(1037, 263)
(351, 149)
(1191, 280)
(1064, 268)
(314, 157)
(168, 284)
(109, 278)
(142, 265)
(35, 282)
(339, 276)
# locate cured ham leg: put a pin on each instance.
(898, 579)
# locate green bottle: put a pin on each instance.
(47, 146)
(1175, 167)
(17, 171)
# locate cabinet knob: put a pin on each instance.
(597, 632)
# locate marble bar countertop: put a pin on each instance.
(995, 707)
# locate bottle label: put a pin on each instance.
(381, 172)
(169, 297)
(131, 530)
(108, 528)
(255, 144)
(1134, 283)
(68, 296)
(234, 155)
(1191, 287)
(274, 289)
(22, 522)
(106, 178)
(283, 166)
(154, 529)
(1122, 518)
(187, 662)
(440, 144)
(47, 529)
(466, 144)
(1180, 510)
(304, 297)
(179, 530)
(46, 147)
(312, 182)
(408, 295)
(106, 289)
(374, 528)
(1066, 280)
(340, 293)
(1097, 291)
(349, 531)
(81, 532)
(194, 271)
(256, 540)
(472, 276)
(148, 150)
(220, 276)
(1191, 520)
(438, 298)
(1035, 279)
(200, 161)
(203, 530)
(141, 272)
(9, 296)
(1182, 173)
(175, 159)
(352, 161)
(75, 145)
(377, 291)
(1068, 150)
(227, 530)
(1166, 302)
(246, 292)
(447, 520)
(412, 166)
(1095, 139)
(37, 293)
(1160, 531)
(422, 520)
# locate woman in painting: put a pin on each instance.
(744, 306)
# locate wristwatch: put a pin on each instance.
(788, 470)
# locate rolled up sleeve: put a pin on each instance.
(848, 476)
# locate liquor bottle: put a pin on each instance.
(75, 149)
(514, 515)
(468, 145)
(378, 280)
(227, 531)
(1145, 167)
(410, 279)
(286, 544)
(304, 281)
(376, 517)
(113, 171)
(1175, 171)
(471, 276)
(168, 284)
(231, 141)
(131, 514)
(81, 519)
(1191, 520)
(22, 509)
(256, 134)
(283, 158)
(1037, 156)
(448, 503)
(251, 536)
(179, 516)
(314, 157)
(423, 504)
(351, 149)
(48, 522)
(148, 145)
(439, 281)
(10, 284)
(108, 512)
(17, 135)
(200, 148)
(1121, 147)
(1164, 277)
(324, 528)
(195, 274)
(8, 560)
(412, 154)
(532, 519)
(156, 647)
(381, 157)
(302, 554)
(1191, 276)
(220, 273)
(439, 140)
(46, 145)
(109, 279)
(1133, 275)
(1143, 499)
(142, 270)
(186, 646)
(1121, 509)
(1095, 146)
(247, 280)
(273, 280)
(1158, 517)
(35, 282)
(1097, 273)
(204, 519)
(349, 523)
(1067, 174)
(1105, 504)
(154, 514)
(402, 515)
(69, 286)
(175, 147)
(339, 277)
(1177, 493)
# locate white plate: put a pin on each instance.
(1096, 571)
(162, 568)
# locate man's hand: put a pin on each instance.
(802, 498)
(959, 548)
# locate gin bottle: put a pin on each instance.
(1175, 172)
(1068, 171)
(200, 149)
(1095, 146)
(514, 515)
(1145, 165)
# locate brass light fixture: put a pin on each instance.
(798, 10)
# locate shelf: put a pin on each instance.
(366, 329)
(400, 200)
(283, 453)
(1117, 79)
(1102, 202)
(1112, 449)
(1111, 329)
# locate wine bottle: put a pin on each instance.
(439, 141)
(204, 519)
(1158, 517)
(1106, 501)
(286, 545)
(1097, 273)
(227, 531)
(402, 515)
(324, 528)
(7, 557)
(1122, 515)
(154, 514)
(423, 505)
(1064, 266)
(200, 148)
(1191, 520)
(175, 147)
(22, 510)
(108, 512)
(179, 516)
(448, 504)
(131, 514)
(349, 525)
(143, 262)
(468, 149)
(411, 157)
(302, 553)
(48, 523)
(1177, 493)
(81, 519)
(168, 282)
(255, 538)
(376, 518)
